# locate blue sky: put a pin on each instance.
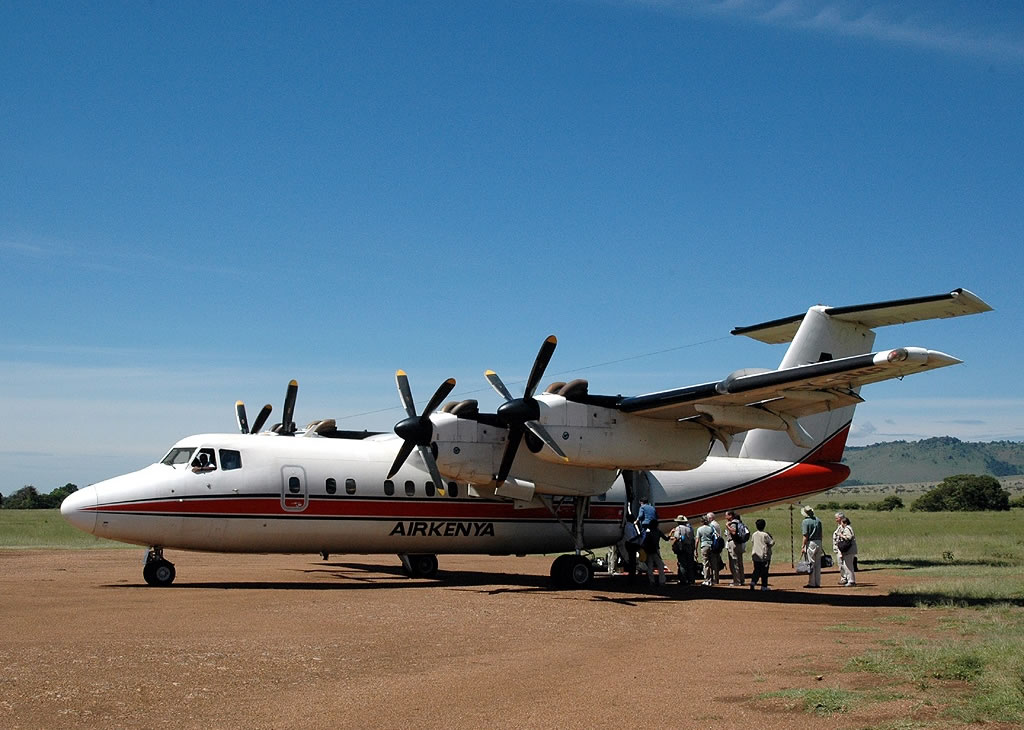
(200, 201)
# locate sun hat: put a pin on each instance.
(681, 518)
(806, 511)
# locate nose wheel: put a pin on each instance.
(157, 571)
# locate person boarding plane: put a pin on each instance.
(752, 439)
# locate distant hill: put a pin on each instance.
(931, 460)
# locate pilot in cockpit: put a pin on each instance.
(203, 462)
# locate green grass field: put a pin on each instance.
(45, 528)
(970, 570)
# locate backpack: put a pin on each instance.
(717, 543)
(742, 534)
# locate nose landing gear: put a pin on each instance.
(157, 571)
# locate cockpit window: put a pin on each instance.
(230, 459)
(178, 456)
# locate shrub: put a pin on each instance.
(964, 493)
(887, 505)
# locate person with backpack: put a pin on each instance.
(812, 551)
(737, 535)
(683, 547)
(652, 538)
(705, 541)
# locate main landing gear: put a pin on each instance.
(157, 571)
(574, 570)
(422, 565)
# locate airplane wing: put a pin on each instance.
(745, 401)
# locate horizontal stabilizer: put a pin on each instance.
(898, 311)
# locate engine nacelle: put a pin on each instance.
(606, 438)
(470, 451)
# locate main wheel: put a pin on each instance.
(158, 573)
(423, 566)
(579, 571)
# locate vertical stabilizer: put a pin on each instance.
(819, 338)
(830, 333)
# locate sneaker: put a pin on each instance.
(842, 581)
(765, 588)
(706, 583)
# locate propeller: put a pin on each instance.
(287, 424)
(522, 414)
(287, 418)
(417, 431)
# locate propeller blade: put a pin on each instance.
(243, 422)
(428, 458)
(495, 381)
(405, 393)
(542, 433)
(515, 436)
(261, 418)
(287, 426)
(439, 395)
(403, 454)
(547, 349)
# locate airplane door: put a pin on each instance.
(294, 496)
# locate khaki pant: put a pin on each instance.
(735, 562)
(710, 561)
(814, 553)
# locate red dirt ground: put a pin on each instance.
(261, 641)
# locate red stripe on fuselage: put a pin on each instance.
(788, 484)
(397, 508)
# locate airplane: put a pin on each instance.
(752, 439)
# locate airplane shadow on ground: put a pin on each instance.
(609, 589)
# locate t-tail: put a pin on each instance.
(830, 333)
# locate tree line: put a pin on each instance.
(958, 493)
(28, 497)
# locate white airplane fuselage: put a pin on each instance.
(308, 495)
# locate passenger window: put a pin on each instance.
(332, 485)
(453, 489)
(410, 489)
(429, 489)
(350, 486)
(294, 486)
(389, 488)
(230, 459)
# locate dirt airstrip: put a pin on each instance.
(262, 641)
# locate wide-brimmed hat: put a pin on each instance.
(681, 518)
(806, 511)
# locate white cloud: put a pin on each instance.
(881, 22)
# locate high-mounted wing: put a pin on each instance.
(794, 392)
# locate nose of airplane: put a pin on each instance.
(76, 509)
